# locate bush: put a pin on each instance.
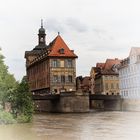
(1, 107)
(6, 118)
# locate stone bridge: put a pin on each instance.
(67, 102)
(106, 102)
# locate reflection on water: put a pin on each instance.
(89, 126)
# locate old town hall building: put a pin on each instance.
(51, 68)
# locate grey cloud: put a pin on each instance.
(54, 25)
(102, 34)
(77, 25)
(64, 25)
(97, 30)
(106, 48)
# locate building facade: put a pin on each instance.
(129, 74)
(105, 77)
(51, 68)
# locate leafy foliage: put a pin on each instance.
(6, 117)
(7, 81)
(22, 102)
(16, 93)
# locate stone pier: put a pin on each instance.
(66, 103)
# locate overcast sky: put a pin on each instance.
(95, 29)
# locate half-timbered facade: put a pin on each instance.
(51, 68)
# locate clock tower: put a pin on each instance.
(41, 35)
(41, 39)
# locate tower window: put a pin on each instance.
(61, 51)
(41, 39)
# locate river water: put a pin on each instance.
(83, 126)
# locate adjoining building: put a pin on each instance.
(105, 77)
(51, 68)
(93, 72)
(83, 84)
(129, 74)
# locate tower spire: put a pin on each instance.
(41, 35)
(41, 23)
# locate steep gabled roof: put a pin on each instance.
(59, 48)
(109, 67)
(110, 62)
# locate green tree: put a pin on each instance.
(7, 81)
(16, 93)
(8, 85)
(22, 102)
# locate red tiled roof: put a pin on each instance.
(108, 67)
(56, 45)
(110, 62)
(100, 65)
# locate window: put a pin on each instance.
(69, 78)
(55, 90)
(68, 63)
(62, 78)
(106, 86)
(55, 63)
(55, 78)
(61, 63)
(117, 85)
(112, 86)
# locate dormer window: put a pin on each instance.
(61, 51)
